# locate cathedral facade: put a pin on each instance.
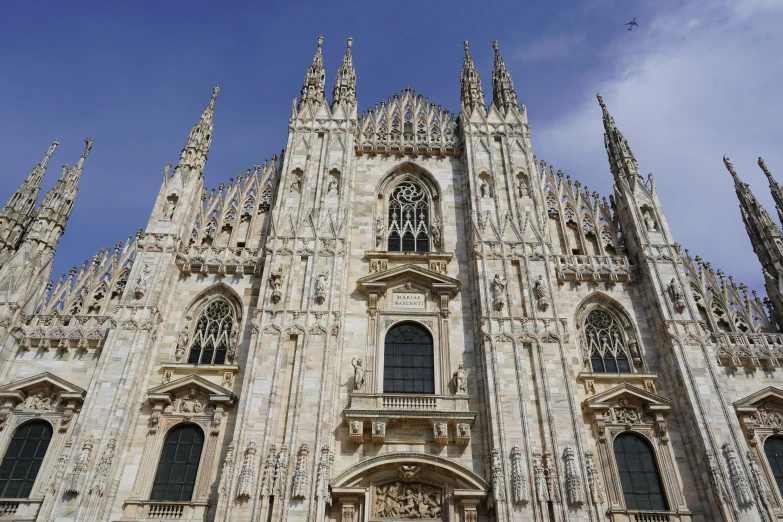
(405, 315)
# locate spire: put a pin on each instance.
(313, 88)
(22, 202)
(503, 94)
(472, 94)
(58, 202)
(757, 220)
(345, 82)
(194, 153)
(775, 188)
(621, 160)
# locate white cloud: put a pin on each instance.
(684, 95)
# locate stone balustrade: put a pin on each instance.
(596, 268)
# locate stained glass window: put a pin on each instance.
(605, 343)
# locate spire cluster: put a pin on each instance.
(471, 95)
(503, 94)
(313, 88)
(345, 82)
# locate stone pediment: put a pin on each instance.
(761, 414)
(628, 393)
(17, 391)
(752, 402)
(439, 284)
(190, 385)
(628, 407)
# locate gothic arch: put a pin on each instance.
(629, 331)
(409, 170)
(211, 293)
(600, 299)
(388, 464)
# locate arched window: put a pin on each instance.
(213, 331)
(23, 459)
(179, 460)
(408, 362)
(773, 448)
(639, 476)
(409, 218)
(605, 343)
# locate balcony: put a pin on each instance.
(649, 516)
(19, 509)
(593, 268)
(153, 510)
(445, 413)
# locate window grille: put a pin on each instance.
(23, 459)
(408, 365)
(213, 330)
(639, 476)
(409, 219)
(179, 460)
(605, 343)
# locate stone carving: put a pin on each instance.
(5, 413)
(101, 476)
(379, 229)
(247, 472)
(233, 344)
(58, 472)
(358, 373)
(649, 221)
(171, 206)
(356, 428)
(276, 283)
(155, 418)
(281, 471)
(550, 473)
(404, 500)
(348, 512)
(268, 477)
(593, 480)
(441, 432)
(320, 287)
(633, 346)
(767, 415)
(518, 477)
(461, 380)
(738, 479)
(378, 429)
(190, 402)
(334, 185)
(677, 296)
(45, 400)
(75, 481)
(436, 231)
(140, 289)
(574, 487)
(498, 481)
(324, 474)
(523, 191)
(716, 477)
(484, 189)
(409, 472)
(66, 419)
(301, 478)
(542, 292)
(760, 481)
(227, 470)
(539, 477)
(296, 184)
(228, 380)
(463, 431)
(498, 292)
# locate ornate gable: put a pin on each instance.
(627, 407)
(191, 397)
(761, 414)
(42, 394)
(438, 283)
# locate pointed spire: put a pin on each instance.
(58, 202)
(194, 153)
(621, 160)
(472, 95)
(775, 188)
(345, 82)
(757, 220)
(313, 88)
(22, 202)
(503, 94)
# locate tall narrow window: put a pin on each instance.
(773, 448)
(639, 476)
(23, 459)
(605, 343)
(179, 460)
(409, 218)
(408, 365)
(213, 330)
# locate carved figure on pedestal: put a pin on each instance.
(523, 191)
(334, 186)
(296, 184)
(358, 373)
(498, 294)
(233, 344)
(677, 296)
(141, 283)
(276, 283)
(484, 188)
(182, 343)
(171, 206)
(435, 230)
(649, 221)
(320, 287)
(378, 232)
(543, 294)
(460, 380)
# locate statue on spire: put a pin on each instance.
(471, 95)
(313, 88)
(194, 153)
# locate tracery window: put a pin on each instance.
(213, 332)
(773, 449)
(408, 360)
(23, 459)
(639, 477)
(605, 343)
(409, 218)
(178, 465)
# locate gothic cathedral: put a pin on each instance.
(405, 315)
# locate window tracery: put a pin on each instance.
(409, 218)
(606, 344)
(212, 340)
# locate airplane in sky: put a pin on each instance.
(632, 23)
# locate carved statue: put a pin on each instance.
(171, 206)
(633, 345)
(407, 500)
(356, 427)
(141, 283)
(358, 373)
(320, 287)
(484, 189)
(677, 296)
(46, 399)
(182, 343)
(498, 294)
(435, 230)
(523, 191)
(440, 429)
(296, 185)
(333, 186)
(378, 232)
(460, 380)
(650, 222)
(276, 283)
(463, 430)
(233, 343)
(543, 293)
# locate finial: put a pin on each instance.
(320, 41)
(215, 91)
(56, 142)
(87, 147)
(729, 166)
(466, 43)
(495, 45)
(350, 42)
(601, 100)
(763, 166)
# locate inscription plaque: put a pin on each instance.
(408, 301)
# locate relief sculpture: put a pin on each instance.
(407, 500)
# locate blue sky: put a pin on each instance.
(694, 81)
